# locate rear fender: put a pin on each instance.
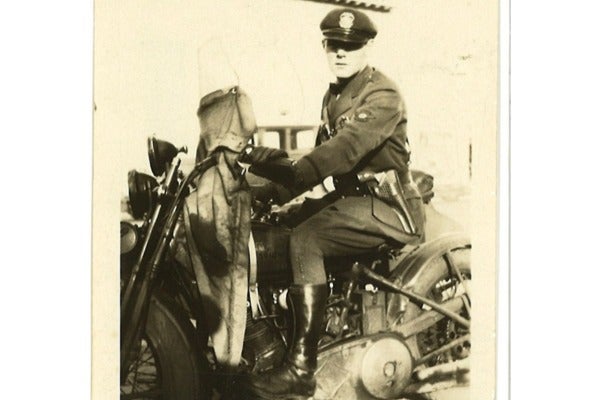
(413, 267)
(415, 263)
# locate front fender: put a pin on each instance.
(170, 310)
(184, 370)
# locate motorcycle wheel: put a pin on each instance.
(168, 365)
(439, 283)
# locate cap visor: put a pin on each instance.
(346, 36)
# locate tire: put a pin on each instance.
(169, 364)
(438, 271)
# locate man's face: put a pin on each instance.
(346, 59)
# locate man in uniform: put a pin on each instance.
(363, 131)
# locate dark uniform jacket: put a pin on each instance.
(369, 119)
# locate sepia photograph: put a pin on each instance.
(306, 196)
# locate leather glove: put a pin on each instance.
(264, 193)
(261, 154)
(280, 170)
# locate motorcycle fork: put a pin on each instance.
(136, 302)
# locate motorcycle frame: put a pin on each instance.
(141, 283)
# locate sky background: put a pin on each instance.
(154, 59)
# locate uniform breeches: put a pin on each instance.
(349, 226)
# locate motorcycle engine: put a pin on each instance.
(377, 366)
(357, 360)
(386, 368)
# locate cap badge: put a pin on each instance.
(346, 20)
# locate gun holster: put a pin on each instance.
(387, 187)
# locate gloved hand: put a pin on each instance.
(264, 193)
(280, 170)
(261, 154)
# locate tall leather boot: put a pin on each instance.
(295, 378)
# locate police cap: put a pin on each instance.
(348, 25)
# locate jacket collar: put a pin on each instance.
(352, 89)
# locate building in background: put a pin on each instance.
(296, 140)
(155, 61)
(375, 5)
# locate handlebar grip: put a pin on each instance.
(279, 170)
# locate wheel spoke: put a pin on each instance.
(142, 381)
(147, 359)
(443, 349)
(446, 341)
(455, 271)
(152, 393)
(135, 372)
(146, 375)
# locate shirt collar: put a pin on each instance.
(338, 87)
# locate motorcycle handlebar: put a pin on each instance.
(279, 170)
(244, 156)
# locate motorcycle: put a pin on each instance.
(396, 324)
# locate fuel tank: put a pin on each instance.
(272, 246)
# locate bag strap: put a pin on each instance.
(253, 280)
